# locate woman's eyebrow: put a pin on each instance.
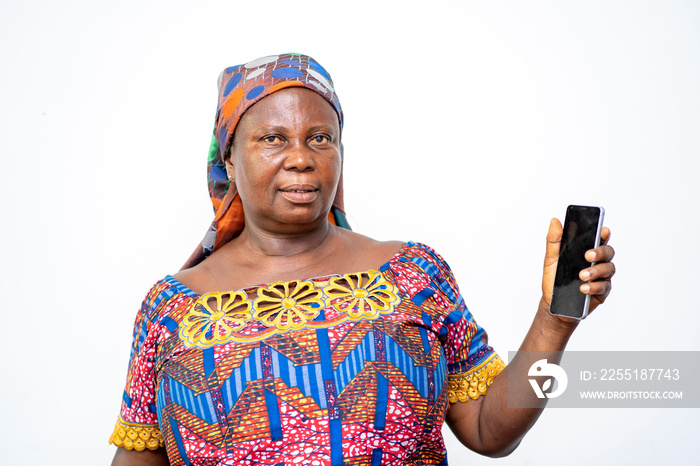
(323, 127)
(282, 129)
(273, 128)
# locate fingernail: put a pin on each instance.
(586, 288)
(586, 275)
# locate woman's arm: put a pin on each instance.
(487, 425)
(124, 457)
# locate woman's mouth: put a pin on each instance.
(299, 194)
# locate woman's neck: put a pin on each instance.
(270, 244)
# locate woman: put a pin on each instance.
(298, 341)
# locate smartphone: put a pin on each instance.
(582, 228)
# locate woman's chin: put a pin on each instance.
(299, 219)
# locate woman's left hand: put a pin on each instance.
(599, 275)
(487, 425)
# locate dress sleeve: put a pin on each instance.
(137, 426)
(472, 364)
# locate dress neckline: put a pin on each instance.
(186, 290)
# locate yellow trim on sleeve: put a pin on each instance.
(136, 436)
(476, 382)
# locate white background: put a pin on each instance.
(468, 126)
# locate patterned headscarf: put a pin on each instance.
(239, 88)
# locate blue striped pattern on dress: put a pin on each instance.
(355, 362)
(434, 273)
(249, 370)
(150, 316)
(427, 266)
(200, 405)
(307, 378)
(440, 373)
(417, 375)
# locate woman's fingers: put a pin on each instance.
(603, 253)
(599, 275)
(597, 272)
(600, 289)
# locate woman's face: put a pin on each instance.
(285, 160)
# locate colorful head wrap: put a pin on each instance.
(239, 88)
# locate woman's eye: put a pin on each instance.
(271, 139)
(321, 139)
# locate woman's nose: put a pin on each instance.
(299, 157)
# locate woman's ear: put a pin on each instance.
(229, 168)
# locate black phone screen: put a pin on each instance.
(581, 233)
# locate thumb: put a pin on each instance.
(553, 241)
(551, 258)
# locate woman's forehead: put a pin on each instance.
(294, 106)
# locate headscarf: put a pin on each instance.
(239, 88)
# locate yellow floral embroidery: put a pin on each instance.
(362, 295)
(136, 436)
(461, 387)
(288, 305)
(214, 317)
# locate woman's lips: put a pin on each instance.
(299, 194)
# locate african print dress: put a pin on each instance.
(353, 369)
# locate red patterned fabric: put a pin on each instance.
(344, 369)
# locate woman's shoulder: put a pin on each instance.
(157, 304)
(164, 290)
(160, 294)
(194, 278)
(372, 246)
(386, 252)
(423, 259)
(367, 252)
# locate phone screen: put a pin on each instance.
(581, 232)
